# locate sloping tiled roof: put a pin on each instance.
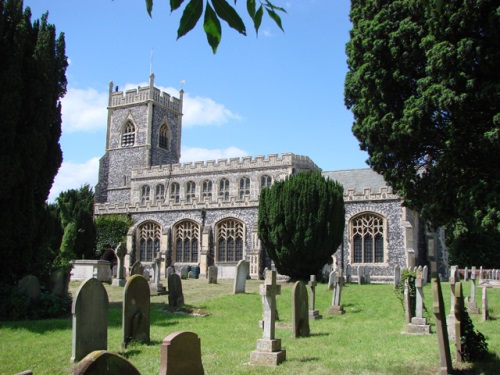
(358, 179)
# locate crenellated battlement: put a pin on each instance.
(228, 165)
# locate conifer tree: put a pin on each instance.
(301, 223)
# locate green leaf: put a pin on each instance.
(251, 8)
(190, 17)
(149, 6)
(228, 14)
(212, 28)
(175, 4)
(275, 17)
(258, 19)
(274, 7)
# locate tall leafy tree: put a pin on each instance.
(301, 223)
(110, 231)
(32, 78)
(424, 87)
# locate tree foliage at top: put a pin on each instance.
(424, 87)
(110, 231)
(32, 78)
(301, 223)
(216, 10)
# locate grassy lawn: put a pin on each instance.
(366, 340)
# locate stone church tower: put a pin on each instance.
(144, 129)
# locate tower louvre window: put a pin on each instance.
(164, 137)
(128, 137)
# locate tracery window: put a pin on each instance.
(160, 193)
(174, 192)
(224, 189)
(207, 190)
(190, 191)
(229, 241)
(244, 187)
(149, 241)
(265, 181)
(367, 239)
(164, 137)
(128, 136)
(187, 235)
(145, 191)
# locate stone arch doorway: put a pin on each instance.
(111, 257)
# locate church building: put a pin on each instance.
(205, 213)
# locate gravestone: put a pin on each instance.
(331, 278)
(425, 274)
(458, 308)
(90, 319)
(184, 272)
(336, 307)
(348, 273)
(156, 287)
(120, 251)
(313, 313)
(147, 275)
(361, 275)
(485, 304)
(268, 350)
(170, 270)
(408, 304)
(442, 332)
(212, 274)
(397, 276)
(242, 272)
(136, 311)
(190, 275)
(418, 324)
(466, 274)
(366, 272)
(59, 283)
(300, 313)
(180, 354)
(137, 269)
(102, 362)
(29, 285)
(481, 276)
(175, 296)
(450, 319)
(471, 303)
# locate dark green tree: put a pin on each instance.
(32, 81)
(110, 231)
(301, 223)
(424, 87)
(76, 210)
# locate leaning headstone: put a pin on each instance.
(348, 273)
(459, 315)
(175, 296)
(137, 269)
(425, 274)
(136, 311)
(102, 362)
(313, 313)
(442, 332)
(471, 304)
(331, 278)
(450, 319)
(268, 350)
(485, 304)
(180, 354)
(90, 319)
(184, 272)
(212, 274)
(30, 286)
(336, 307)
(397, 276)
(242, 271)
(300, 313)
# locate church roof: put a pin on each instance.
(358, 179)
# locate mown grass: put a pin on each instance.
(366, 340)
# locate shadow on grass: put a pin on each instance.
(304, 360)
(319, 334)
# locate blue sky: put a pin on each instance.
(275, 93)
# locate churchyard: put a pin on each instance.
(366, 339)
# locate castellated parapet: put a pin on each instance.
(143, 94)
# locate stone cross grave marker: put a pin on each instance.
(418, 323)
(485, 304)
(458, 307)
(156, 287)
(336, 307)
(103, 362)
(175, 296)
(90, 319)
(242, 272)
(180, 354)
(450, 319)
(471, 305)
(313, 314)
(300, 313)
(212, 274)
(397, 276)
(442, 332)
(268, 350)
(137, 269)
(120, 251)
(136, 311)
(331, 278)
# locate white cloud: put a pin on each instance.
(191, 154)
(73, 175)
(84, 110)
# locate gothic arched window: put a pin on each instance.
(224, 189)
(128, 136)
(160, 193)
(187, 239)
(164, 137)
(190, 191)
(367, 238)
(149, 235)
(244, 187)
(145, 191)
(206, 194)
(229, 241)
(265, 181)
(174, 192)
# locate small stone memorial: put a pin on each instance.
(180, 354)
(102, 362)
(184, 272)
(29, 285)
(212, 274)
(137, 269)
(331, 278)
(471, 303)
(336, 308)
(300, 313)
(90, 319)
(348, 273)
(418, 324)
(397, 276)
(268, 350)
(313, 313)
(136, 311)
(450, 319)
(120, 251)
(441, 328)
(242, 272)
(175, 296)
(485, 304)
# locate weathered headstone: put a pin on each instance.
(90, 319)
(458, 308)
(442, 332)
(313, 313)
(190, 275)
(450, 319)
(268, 350)
(361, 275)
(184, 272)
(300, 313)
(397, 276)
(120, 251)
(147, 275)
(466, 274)
(471, 304)
(212, 274)
(59, 283)
(180, 354)
(136, 311)
(137, 269)
(336, 307)
(175, 296)
(425, 275)
(485, 304)
(242, 271)
(331, 278)
(366, 272)
(102, 362)
(407, 301)
(170, 270)
(348, 273)
(29, 285)
(418, 324)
